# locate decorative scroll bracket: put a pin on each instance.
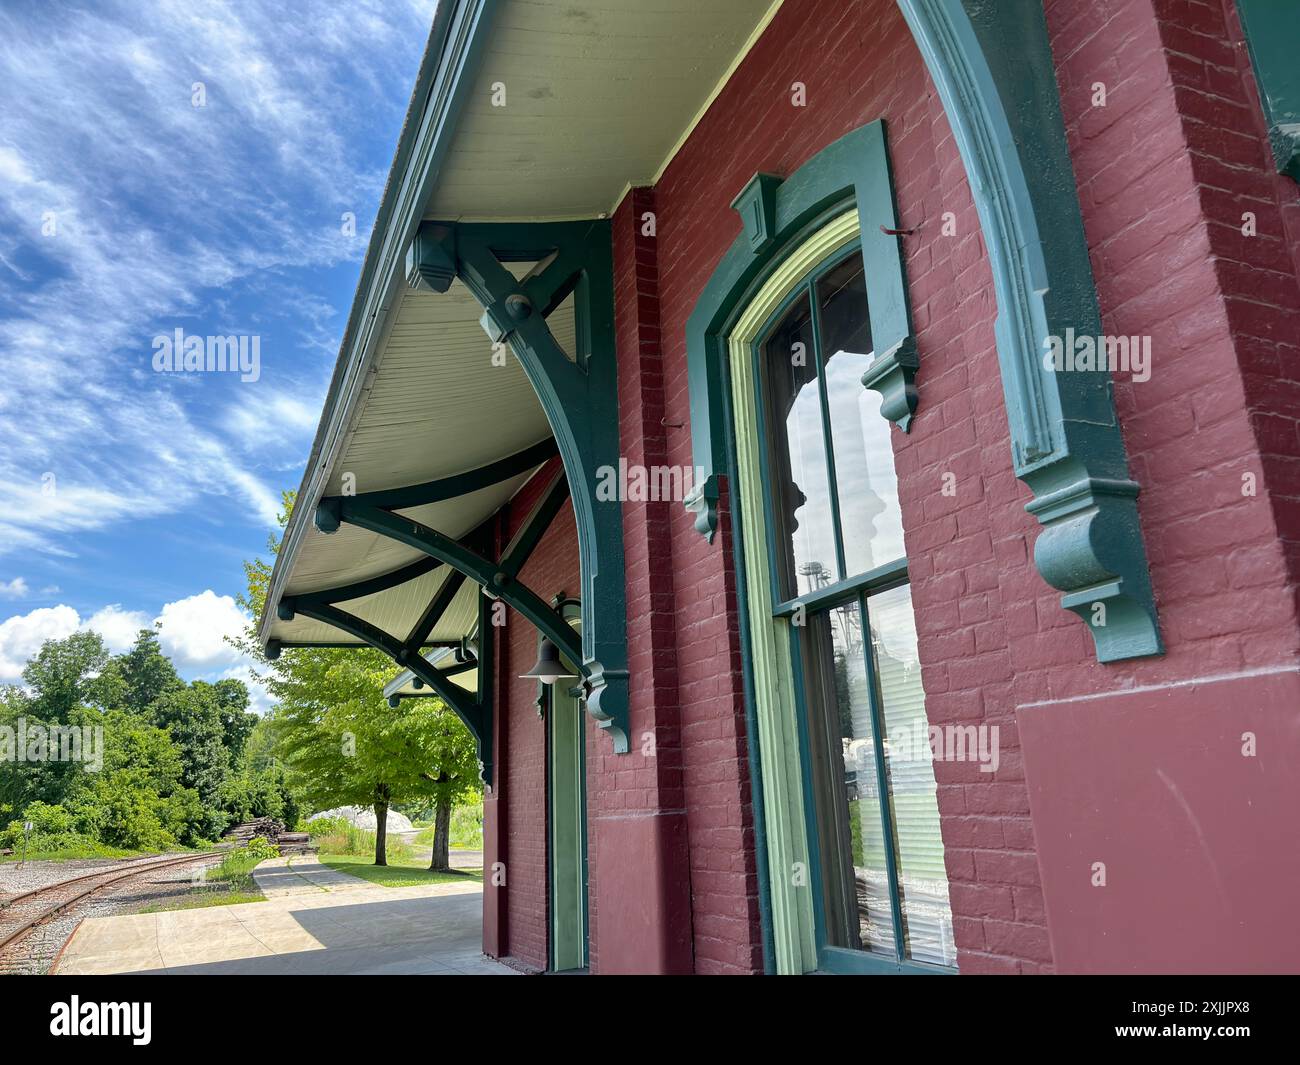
(578, 394)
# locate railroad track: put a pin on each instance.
(22, 914)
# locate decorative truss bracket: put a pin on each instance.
(474, 711)
(578, 391)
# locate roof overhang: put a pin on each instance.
(521, 110)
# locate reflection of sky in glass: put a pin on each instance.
(814, 539)
(893, 626)
(864, 466)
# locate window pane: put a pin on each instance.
(871, 922)
(800, 490)
(922, 878)
(870, 519)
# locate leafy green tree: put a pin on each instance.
(344, 746)
(237, 721)
(63, 675)
(146, 672)
(193, 718)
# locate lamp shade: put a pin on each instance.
(549, 668)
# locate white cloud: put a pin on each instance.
(21, 637)
(14, 589)
(193, 631)
(118, 627)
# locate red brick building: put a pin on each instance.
(889, 414)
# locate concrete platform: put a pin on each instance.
(310, 925)
(303, 875)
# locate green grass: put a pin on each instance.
(357, 842)
(466, 829)
(202, 898)
(400, 872)
(229, 882)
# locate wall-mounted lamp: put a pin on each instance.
(549, 668)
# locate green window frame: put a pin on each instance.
(804, 920)
(1272, 32)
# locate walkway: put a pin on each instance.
(315, 921)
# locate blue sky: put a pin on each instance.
(133, 203)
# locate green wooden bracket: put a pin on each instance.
(490, 576)
(433, 612)
(459, 484)
(476, 714)
(986, 61)
(580, 399)
(287, 606)
(520, 549)
(1272, 29)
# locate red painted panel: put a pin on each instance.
(1199, 842)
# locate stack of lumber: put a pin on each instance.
(294, 843)
(266, 827)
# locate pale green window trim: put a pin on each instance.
(792, 882)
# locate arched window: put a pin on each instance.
(833, 640)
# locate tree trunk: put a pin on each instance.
(381, 831)
(441, 861)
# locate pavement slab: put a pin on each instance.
(315, 920)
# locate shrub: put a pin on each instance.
(467, 826)
(53, 829)
(325, 826)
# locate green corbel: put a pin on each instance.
(756, 206)
(986, 61)
(494, 579)
(580, 399)
(431, 259)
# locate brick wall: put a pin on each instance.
(1164, 172)
(858, 63)
(552, 568)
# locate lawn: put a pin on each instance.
(228, 883)
(203, 898)
(400, 871)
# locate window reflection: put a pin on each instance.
(913, 799)
(801, 496)
(870, 520)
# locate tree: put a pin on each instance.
(237, 721)
(345, 746)
(63, 675)
(147, 674)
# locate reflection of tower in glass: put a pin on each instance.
(815, 574)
